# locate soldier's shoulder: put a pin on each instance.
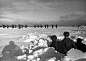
(7, 46)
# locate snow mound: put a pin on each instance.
(74, 54)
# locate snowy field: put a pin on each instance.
(20, 36)
(9, 34)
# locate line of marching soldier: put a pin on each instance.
(14, 26)
(46, 26)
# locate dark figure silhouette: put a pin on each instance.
(52, 26)
(80, 45)
(53, 44)
(3, 26)
(34, 26)
(73, 26)
(47, 25)
(7, 26)
(57, 44)
(67, 42)
(0, 25)
(11, 51)
(26, 26)
(19, 26)
(12, 26)
(41, 26)
(56, 25)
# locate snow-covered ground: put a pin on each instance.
(73, 54)
(25, 36)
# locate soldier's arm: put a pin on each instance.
(74, 45)
(4, 50)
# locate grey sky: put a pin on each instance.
(23, 11)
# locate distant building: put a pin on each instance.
(26, 26)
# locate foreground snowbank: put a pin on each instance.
(39, 50)
(74, 55)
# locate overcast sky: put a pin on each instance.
(37, 11)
